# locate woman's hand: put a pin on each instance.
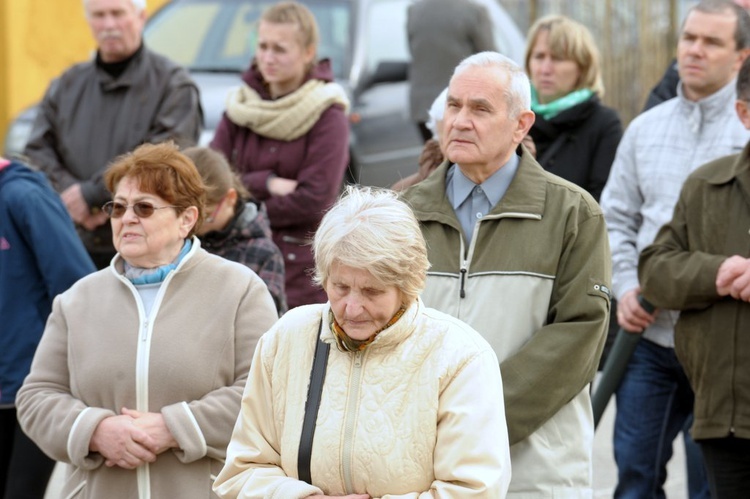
(153, 424)
(278, 186)
(122, 444)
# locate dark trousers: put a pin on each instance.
(728, 466)
(24, 469)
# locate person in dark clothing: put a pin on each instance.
(99, 109)
(40, 257)
(576, 136)
(237, 226)
(286, 132)
(441, 34)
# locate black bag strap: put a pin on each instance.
(314, 392)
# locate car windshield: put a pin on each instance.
(220, 35)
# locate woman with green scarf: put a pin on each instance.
(576, 136)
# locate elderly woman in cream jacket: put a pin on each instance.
(412, 400)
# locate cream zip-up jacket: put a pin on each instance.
(417, 414)
(188, 360)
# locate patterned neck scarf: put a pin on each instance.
(552, 109)
(348, 344)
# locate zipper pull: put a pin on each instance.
(144, 330)
(463, 279)
(358, 359)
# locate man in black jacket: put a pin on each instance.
(105, 107)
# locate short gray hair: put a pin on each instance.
(140, 5)
(372, 229)
(517, 92)
(742, 28)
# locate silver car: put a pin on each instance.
(365, 40)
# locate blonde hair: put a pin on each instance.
(295, 13)
(372, 229)
(572, 41)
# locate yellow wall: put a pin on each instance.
(38, 40)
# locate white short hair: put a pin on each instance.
(436, 111)
(140, 5)
(517, 93)
(372, 229)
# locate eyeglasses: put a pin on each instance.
(212, 216)
(142, 209)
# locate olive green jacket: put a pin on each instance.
(534, 281)
(678, 271)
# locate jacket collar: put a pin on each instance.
(388, 338)
(708, 109)
(526, 194)
(739, 172)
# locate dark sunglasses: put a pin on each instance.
(142, 209)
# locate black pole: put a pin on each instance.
(614, 368)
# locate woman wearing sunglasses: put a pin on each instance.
(138, 378)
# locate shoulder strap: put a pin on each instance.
(314, 392)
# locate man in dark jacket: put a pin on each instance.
(40, 256)
(441, 34)
(700, 264)
(105, 107)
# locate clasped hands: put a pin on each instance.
(733, 278)
(131, 438)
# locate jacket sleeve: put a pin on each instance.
(464, 406)
(692, 274)
(621, 203)
(565, 352)
(253, 463)
(482, 31)
(42, 146)
(202, 427)
(319, 176)
(49, 232)
(59, 423)
(604, 154)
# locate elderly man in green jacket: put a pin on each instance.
(523, 257)
(699, 264)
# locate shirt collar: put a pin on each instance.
(494, 187)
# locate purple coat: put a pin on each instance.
(317, 160)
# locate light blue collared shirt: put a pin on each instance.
(471, 201)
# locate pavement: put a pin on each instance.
(605, 471)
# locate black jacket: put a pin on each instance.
(579, 144)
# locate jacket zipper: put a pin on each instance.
(463, 278)
(351, 410)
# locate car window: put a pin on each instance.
(219, 35)
(386, 32)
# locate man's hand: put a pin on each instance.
(153, 424)
(121, 443)
(75, 203)
(94, 220)
(278, 186)
(733, 278)
(630, 315)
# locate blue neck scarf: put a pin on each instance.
(137, 275)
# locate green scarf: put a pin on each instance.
(552, 109)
